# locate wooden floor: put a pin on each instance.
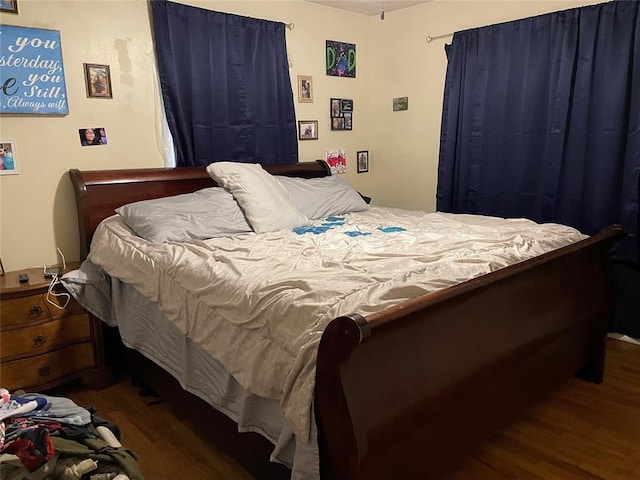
(582, 431)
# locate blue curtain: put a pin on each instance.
(541, 119)
(226, 86)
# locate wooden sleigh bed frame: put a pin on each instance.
(409, 392)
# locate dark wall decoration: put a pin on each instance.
(341, 59)
(341, 112)
(400, 103)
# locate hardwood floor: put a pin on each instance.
(167, 448)
(581, 432)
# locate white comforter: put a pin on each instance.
(258, 303)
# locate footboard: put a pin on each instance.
(409, 392)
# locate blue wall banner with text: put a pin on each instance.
(31, 71)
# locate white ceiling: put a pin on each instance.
(368, 7)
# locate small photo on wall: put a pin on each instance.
(98, 80)
(92, 136)
(9, 6)
(400, 103)
(347, 121)
(305, 89)
(363, 161)
(8, 161)
(307, 130)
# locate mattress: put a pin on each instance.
(258, 303)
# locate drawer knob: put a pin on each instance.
(39, 341)
(44, 371)
(35, 311)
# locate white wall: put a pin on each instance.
(37, 209)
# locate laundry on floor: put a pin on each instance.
(46, 437)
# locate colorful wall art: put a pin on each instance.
(337, 161)
(341, 59)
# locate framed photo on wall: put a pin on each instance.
(341, 112)
(305, 89)
(400, 103)
(363, 161)
(98, 80)
(308, 130)
(8, 160)
(9, 6)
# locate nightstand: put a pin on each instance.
(41, 345)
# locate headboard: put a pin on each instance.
(99, 192)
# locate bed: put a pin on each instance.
(408, 391)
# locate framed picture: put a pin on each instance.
(8, 161)
(98, 80)
(341, 112)
(363, 161)
(308, 130)
(9, 6)
(305, 89)
(400, 103)
(1, 267)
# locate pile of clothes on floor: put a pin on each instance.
(45, 437)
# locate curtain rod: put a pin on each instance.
(290, 26)
(429, 38)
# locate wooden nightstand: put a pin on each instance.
(42, 346)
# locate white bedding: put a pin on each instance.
(143, 327)
(258, 303)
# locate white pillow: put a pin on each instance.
(266, 204)
(323, 197)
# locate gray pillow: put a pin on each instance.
(207, 213)
(323, 197)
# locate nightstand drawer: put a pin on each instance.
(46, 368)
(45, 337)
(22, 310)
(72, 306)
